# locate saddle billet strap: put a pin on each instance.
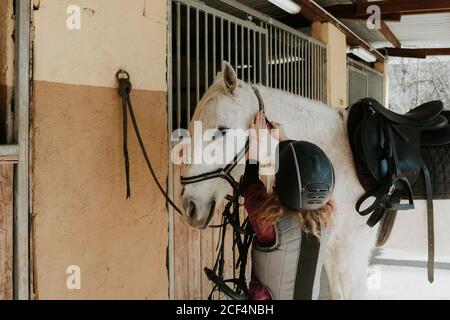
(430, 222)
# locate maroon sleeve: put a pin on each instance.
(253, 197)
(254, 193)
(257, 291)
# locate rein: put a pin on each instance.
(242, 232)
(125, 86)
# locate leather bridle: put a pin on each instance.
(225, 172)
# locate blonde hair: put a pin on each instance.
(271, 210)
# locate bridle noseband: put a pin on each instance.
(224, 173)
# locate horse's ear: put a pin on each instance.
(229, 78)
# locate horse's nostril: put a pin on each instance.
(191, 210)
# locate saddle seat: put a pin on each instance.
(426, 115)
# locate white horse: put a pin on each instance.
(231, 103)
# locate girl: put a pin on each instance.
(290, 223)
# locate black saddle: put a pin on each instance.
(387, 150)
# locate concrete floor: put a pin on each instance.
(399, 269)
(407, 283)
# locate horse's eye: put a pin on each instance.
(223, 130)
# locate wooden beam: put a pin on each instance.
(389, 35)
(6, 231)
(348, 11)
(416, 53)
(314, 12)
(9, 153)
(406, 6)
(295, 21)
(21, 175)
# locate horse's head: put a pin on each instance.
(228, 104)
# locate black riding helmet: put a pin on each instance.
(305, 176)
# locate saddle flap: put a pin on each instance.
(375, 152)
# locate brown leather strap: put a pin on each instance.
(430, 222)
(260, 99)
(125, 87)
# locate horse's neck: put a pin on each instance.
(303, 119)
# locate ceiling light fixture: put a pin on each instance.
(287, 5)
(362, 54)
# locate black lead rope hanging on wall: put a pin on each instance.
(125, 86)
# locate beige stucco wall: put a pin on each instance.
(336, 61)
(80, 213)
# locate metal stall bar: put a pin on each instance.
(303, 68)
(275, 61)
(242, 54)
(270, 56)
(206, 51)
(197, 55)
(284, 59)
(221, 43)
(288, 62)
(325, 80)
(316, 69)
(248, 57)
(214, 46)
(266, 75)
(188, 63)
(178, 64)
(171, 245)
(259, 60)
(254, 57)
(320, 74)
(295, 66)
(309, 74)
(229, 41)
(235, 47)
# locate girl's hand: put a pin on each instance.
(281, 135)
(257, 124)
